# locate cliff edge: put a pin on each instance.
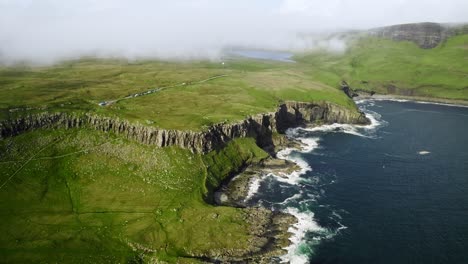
(261, 126)
(426, 35)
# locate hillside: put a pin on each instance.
(83, 196)
(425, 35)
(400, 68)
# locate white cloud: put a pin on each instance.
(48, 30)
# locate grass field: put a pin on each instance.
(249, 87)
(88, 197)
(392, 67)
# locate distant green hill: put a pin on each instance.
(402, 68)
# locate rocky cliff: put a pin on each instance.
(261, 127)
(425, 35)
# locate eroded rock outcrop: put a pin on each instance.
(261, 127)
(425, 35)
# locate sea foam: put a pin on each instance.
(305, 223)
(254, 185)
(357, 130)
(408, 100)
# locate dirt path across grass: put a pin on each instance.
(151, 91)
(27, 161)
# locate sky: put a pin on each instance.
(44, 31)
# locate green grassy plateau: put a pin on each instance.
(248, 87)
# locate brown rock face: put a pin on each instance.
(260, 127)
(425, 35)
(294, 114)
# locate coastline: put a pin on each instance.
(271, 228)
(240, 188)
(418, 99)
(282, 229)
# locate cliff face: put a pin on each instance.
(293, 114)
(260, 127)
(425, 35)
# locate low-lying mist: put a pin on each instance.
(43, 32)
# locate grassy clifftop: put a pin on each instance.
(90, 197)
(402, 68)
(190, 99)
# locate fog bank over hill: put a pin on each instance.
(50, 30)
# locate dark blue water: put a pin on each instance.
(396, 193)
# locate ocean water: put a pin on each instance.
(395, 191)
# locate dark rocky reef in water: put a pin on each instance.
(425, 35)
(261, 127)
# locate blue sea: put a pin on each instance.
(395, 191)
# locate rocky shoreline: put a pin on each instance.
(271, 229)
(236, 192)
(361, 95)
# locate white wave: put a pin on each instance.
(284, 153)
(357, 130)
(337, 218)
(409, 100)
(375, 119)
(294, 197)
(344, 128)
(305, 223)
(372, 100)
(254, 185)
(424, 152)
(295, 177)
(335, 214)
(342, 227)
(308, 144)
(444, 104)
(399, 100)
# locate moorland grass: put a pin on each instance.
(86, 196)
(391, 67)
(249, 87)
